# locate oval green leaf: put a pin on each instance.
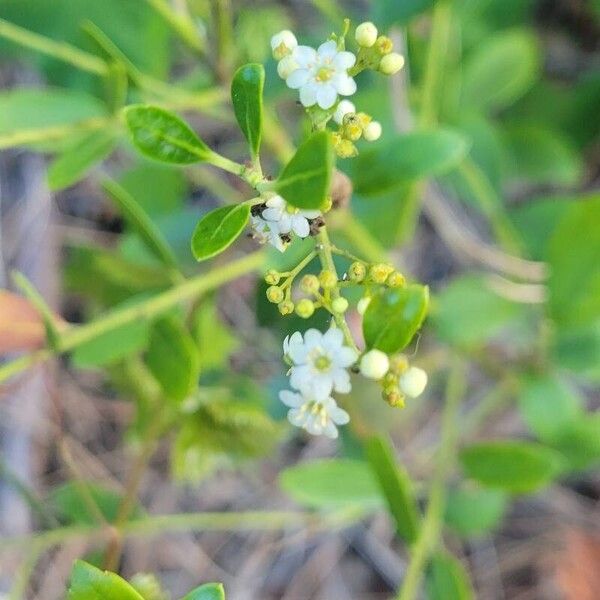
(217, 230)
(89, 583)
(447, 579)
(247, 98)
(394, 316)
(163, 136)
(473, 511)
(208, 591)
(518, 467)
(305, 180)
(407, 158)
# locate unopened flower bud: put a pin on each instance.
(384, 45)
(286, 307)
(374, 364)
(286, 66)
(413, 382)
(399, 363)
(352, 131)
(391, 63)
(357, 271)
(366, 34)
(272, 277)
(395, 280)
(305, 308)
(390, 380)
(379, 272)
(274, 294)
(343, 108)
(346, 149)
(339, 305)
(283, 43)
(327, 279)
(363, 304)
(310, 284)
(394, 398)
(372, 131)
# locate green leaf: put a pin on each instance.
(73, 164)
(467, 313)
(214, 339)
(247, 97)
(500, 70)
(305, 180)
(579, 441)
(407, 158)
(472, 511)
(163, 136)
(447, 579)
(396, 486)
(217, 230)
(173, 358)
(518, 467)
(548, 404)
(573, 253)
(141, 223)
(391, 12)
(394, 316)
(208, 591)
(578, 349)
(331, 483)
(89, 583)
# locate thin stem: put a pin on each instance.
(303, 263)
(59, 50)
(225, 45)
(21, 583)
(429, 533)
(188, 290)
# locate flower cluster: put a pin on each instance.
(319, 366)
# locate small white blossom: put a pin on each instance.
(267, 232)
(366, 34)
(320, 362)
(372, 131)
(287, 218)
(343, 108)
(374, 364)
(318, 417)
(286, 66)
(283, 43)
(412, 382)
(322, 74)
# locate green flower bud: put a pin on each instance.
(390, 380)
(310, 284)
(272, 277)
(373, 131)
(327, 204)
(305, 308)
(366, 34)
(379, 272)
(393, 397)
(384, 45)
(395, 280)
(339, 305)
(327, 279)
(346, 149)
(357, 271)
(286, 307)
(352, 131)
(391, 63)
(274, 294)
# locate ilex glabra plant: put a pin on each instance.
(295, 205)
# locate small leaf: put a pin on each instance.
(332, 482)
(396, 487)
(305, 180)
(518, 467)
(473, 511)
(163, 136)
(394, 316)
(208, 591)
(89, 583)
(247, 97)
(447, 579)
(407, 158)
(217, 230)
(76, 161)
(141, 223)
(173, 358)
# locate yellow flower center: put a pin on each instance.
(322, 363)
(324, 74)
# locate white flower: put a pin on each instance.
(286, 66)
(322, 74)
(283, 43)
(288, 218)
(366, 34)
(343, 108)
(374, 364)
(267, 233)
(372, 131)
(412, 382)
(319, 362)
(315, 416)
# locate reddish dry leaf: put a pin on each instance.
(578, 567)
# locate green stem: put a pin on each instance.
(59, 50)
(21, 583)
(360, 237)
(298, 268)
(225, 44)
(188, 290)
(429, 533)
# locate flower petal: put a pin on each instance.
(327, 49)
(321, 386)
(345, 357)
(333, 339)
(291, 399)
(330, 430)
(276, 202)
(300, 377)
(297, 79)
(309, 214)
(344, 60)
(343, 84)
(339, 416)
(313, 337)
(297, 417)
(305, 56)
(308, 94)
(271, 214)
(326, 95)
(341, 381)
(300, 226)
